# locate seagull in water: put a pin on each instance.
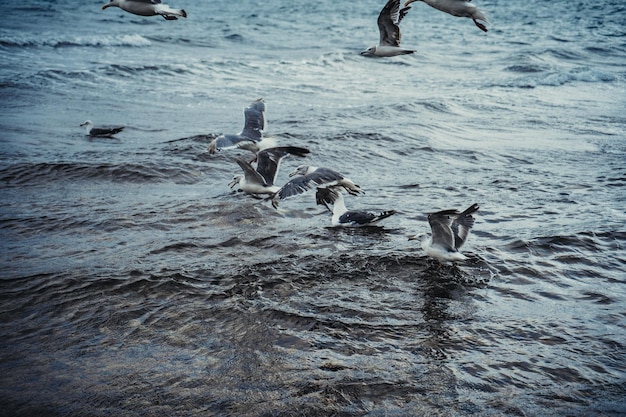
(309, 177)
(147, 8)
(261, 180)
(449, 232)
(105, 132)
(251, 137)
(459, 8)
(344, 217)
(389, 26)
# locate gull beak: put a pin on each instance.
(293, 174)
(106, 5)
(407, 2)
(233, 182)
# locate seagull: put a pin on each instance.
(147, 8)
(389, 26)
(459, 8)
(310, 176)
(344, 217)
(106, 132)
(261, 180)
(251, 137)
(449, 232)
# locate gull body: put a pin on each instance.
(389, 27)
(450, 229)
(458, 8)
(147, 8)
(344, 217)
(106, 132)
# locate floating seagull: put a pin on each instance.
(389, 26)
(261, 180)
(449, 232)
(459, 8)
(344, 217)
(147, 8)
(310, 176)
(106, 132)
(251, 137)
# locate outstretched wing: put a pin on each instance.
(442, 234)
(389, 23)
(268, 160)
(326, 196)
(252, 176)
(319, 177)
(228, 141)
(254, 124)
(462, 224)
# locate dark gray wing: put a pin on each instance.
(98, 131)
(254, 124)
(268, 160)
(325, 196)
(462, 224)
(252, 176)
(389, 23)
(442, 234)
(356, 217)
(298, 185)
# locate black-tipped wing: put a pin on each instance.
(389, 23)
(298, 185)
(292, 150)
(462, 225)
(254, 120)
(252, 176)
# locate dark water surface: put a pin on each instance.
(134, 282)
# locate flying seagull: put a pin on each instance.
(449, 232)
(459, 8)
(147, 8)
(105, 132)
(389, 26)
(341, 215)
(251, 137)
(261, 180)
(307, 177)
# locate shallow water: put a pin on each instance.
(135, 282)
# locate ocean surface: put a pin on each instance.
(135, 282)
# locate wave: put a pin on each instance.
(34, 174)
(537, 76)
(56, 41)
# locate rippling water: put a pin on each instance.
(135, 282)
